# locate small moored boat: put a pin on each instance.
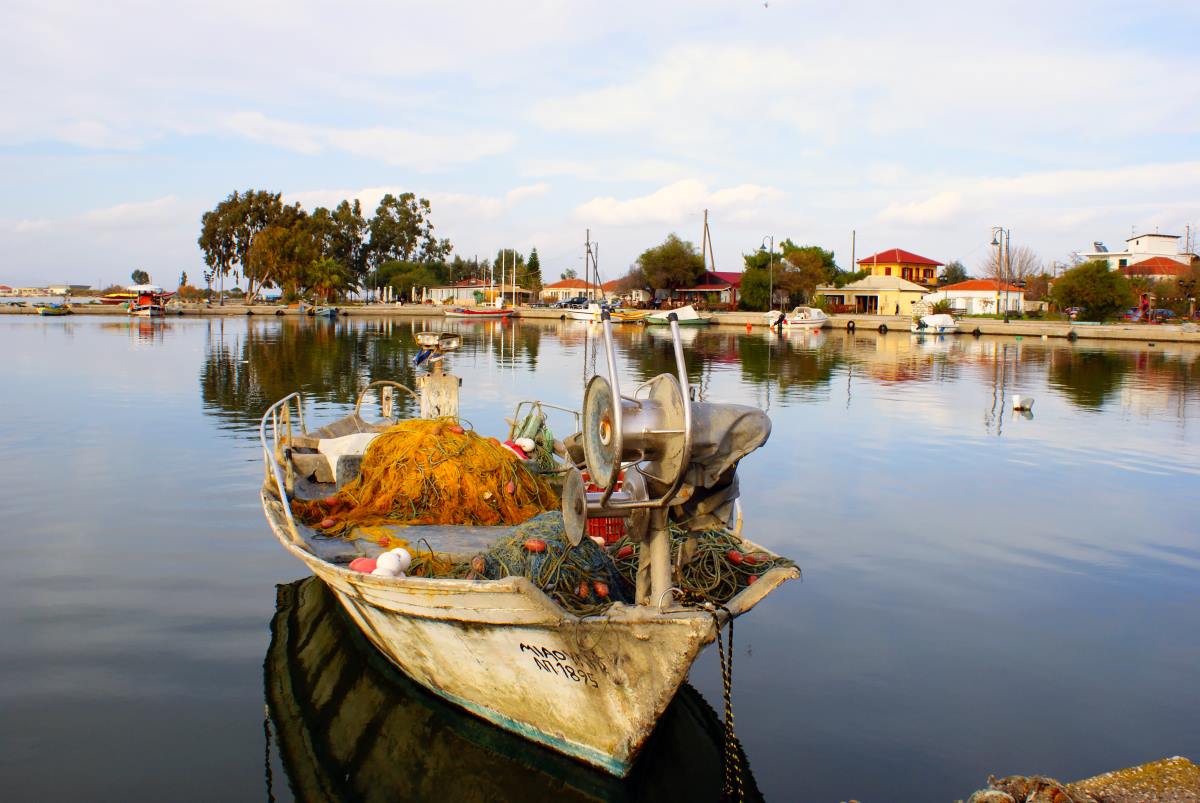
(149, 302)
(799, 318)
(468, 312)
(687, 316)
(591, 685)
(937, 324)
(53, 310)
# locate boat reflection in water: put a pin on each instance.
(349, 726)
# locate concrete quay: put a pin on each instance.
(891, 324)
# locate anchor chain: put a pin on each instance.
(733, 789)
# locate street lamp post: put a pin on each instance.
(770, 272)
(1000, 239)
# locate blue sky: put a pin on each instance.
(919, 125)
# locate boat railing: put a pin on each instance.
(386, 388)
(524, 408)
(277, 454)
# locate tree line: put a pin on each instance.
(331, 252)
(792, 272)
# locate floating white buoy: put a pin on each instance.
(389, 562)
(382, 572)
(1022, 404)
(404, 556)
(527, 445)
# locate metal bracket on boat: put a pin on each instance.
(649, 433)
(439, 390)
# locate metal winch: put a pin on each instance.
(676, 459)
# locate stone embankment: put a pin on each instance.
(1171, 780)
(884, 324)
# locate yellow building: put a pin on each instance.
(902, 264)
(874, 295)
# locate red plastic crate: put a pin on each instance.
(610, 529)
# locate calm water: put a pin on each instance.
(983, 593)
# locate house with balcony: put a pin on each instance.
(1157, 249)
(903, 265)
(715, 290)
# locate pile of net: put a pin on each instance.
(582, 579)
(718, 568)
(588, 578)
(432, 471)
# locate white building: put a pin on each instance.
(980, 297)
(567, 289)
(1140, 248)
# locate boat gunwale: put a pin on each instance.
(740, 603)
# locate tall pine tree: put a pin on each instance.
(533, 273)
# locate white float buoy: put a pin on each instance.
(1022, 404)
(382, 572)
(389, 562)
(404, 556)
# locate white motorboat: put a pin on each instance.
(937, 324)
(589, 686)
(687, 316)
(799, 318)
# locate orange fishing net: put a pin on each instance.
(426, 471)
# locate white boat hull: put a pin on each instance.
(933, 330)
(590, 688)
(146, 312)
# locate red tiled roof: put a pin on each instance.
(1156, 266)
(4, 287)
(991, 285)
(898, 255)
(718, 280)
(568, 284)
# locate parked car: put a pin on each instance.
(578, 302)
(1161, 315)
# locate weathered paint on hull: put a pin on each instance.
(590, 688)
(577, 688)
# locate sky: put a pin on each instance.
(918, 125)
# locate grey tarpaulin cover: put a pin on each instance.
(722, 434)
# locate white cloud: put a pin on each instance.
(395, 146)
(136, 214)
(609, 169)
(672, 204)
(936, 210)
(461, 204)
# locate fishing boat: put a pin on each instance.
(468, 312)
(322, 312)
(53, 310)
(589, 686)
(686, 316)
(149, 302)
(119, 297)
(387, 725)
(938, 324)
(594, 312)
(799, 318)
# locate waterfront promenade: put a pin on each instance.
(1152, 333)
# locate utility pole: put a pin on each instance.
(853, 247)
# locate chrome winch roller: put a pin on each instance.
(668, 447)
